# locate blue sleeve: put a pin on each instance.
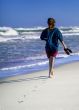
(59, 35)
(44, 35)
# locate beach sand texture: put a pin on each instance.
(38, 92)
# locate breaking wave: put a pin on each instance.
(5, 31)
(8, 33)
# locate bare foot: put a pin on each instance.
(52, 72)
(51, 76)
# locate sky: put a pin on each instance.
(33, 13)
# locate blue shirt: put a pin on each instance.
(55, 34)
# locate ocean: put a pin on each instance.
(22, 51)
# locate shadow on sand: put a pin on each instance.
(24, 79)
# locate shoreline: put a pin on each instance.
(18, 78)
(22, 71)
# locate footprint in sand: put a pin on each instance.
(22, 99)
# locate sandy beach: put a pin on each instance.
(38, 92)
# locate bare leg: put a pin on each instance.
(51, 65)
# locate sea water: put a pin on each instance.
(22, 51)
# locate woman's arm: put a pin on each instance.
(44, 35)
(64, 45)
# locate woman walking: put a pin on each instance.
(52, 35)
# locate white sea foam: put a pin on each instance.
(70, 34)
(6, 39)
(67, 31)
(25, 66)
(8, 31)
(31, 29)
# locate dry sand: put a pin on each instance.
(38, 92)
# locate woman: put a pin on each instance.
(51, 35)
